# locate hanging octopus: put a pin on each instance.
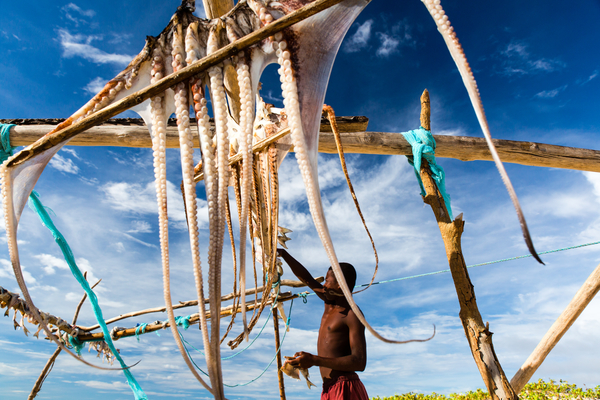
(305, 53)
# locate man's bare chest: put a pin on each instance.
(333, 323)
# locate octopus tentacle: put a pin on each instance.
(458, 55)
(245, 142)
(186, 145)
(218, 97)
(304, 80)
(158, 133)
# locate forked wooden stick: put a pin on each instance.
(478, 333)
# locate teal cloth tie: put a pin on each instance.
(423, 146)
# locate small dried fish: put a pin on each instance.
(294, 372)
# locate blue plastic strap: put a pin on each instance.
(36, 205)
(423, 146)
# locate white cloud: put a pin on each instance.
(138, 240)
(140, 227)
(50, 263)
(549, 94)
(119, 386)
(389, 44)
(594, 179)
(6, 271)
(72, 13)
(594, 75)
(79, 45)
(64, 164)
(517, 60)
(360, 39)
(77, 9)
(141, 199)
(95, 85)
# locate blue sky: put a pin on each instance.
(537, 69)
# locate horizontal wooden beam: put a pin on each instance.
(466, 148)
(132, 133)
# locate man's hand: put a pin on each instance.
(303, 360)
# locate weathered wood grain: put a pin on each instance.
(354, 140)
(478, 334)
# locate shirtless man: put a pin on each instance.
(342, 348)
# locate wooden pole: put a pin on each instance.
(478, 334)
(582, 298)
(192, 303)
(277, 344)
(194, 319)
(217, 8)
(132, 133)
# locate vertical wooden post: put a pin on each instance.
(478, 334)
(277, 344)
(582, 298)
(217, 8)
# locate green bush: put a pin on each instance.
(539, 390)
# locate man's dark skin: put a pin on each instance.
(342, 348)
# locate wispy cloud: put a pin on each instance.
(64, 164)
(6, 271)
(73, 13)
(360, 39)
(389, 44)
(141, 199)
(51, 263)
(119, 386)
(594, 75)
(549, 94)
(594, 179)
(391, 41)
(79, 45)
(95, 85)
(140, 227)
(518, 60)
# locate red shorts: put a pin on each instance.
(347, 387)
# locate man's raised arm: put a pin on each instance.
(302, 273)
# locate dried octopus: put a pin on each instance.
(305, 53)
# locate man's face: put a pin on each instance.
(331, 286)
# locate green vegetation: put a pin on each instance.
(539, 390)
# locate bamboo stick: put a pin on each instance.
(582, 298)
(119, 333)
(354, 140)
(277, 344)
(192, 303)
(478, 334)
(140, 96)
